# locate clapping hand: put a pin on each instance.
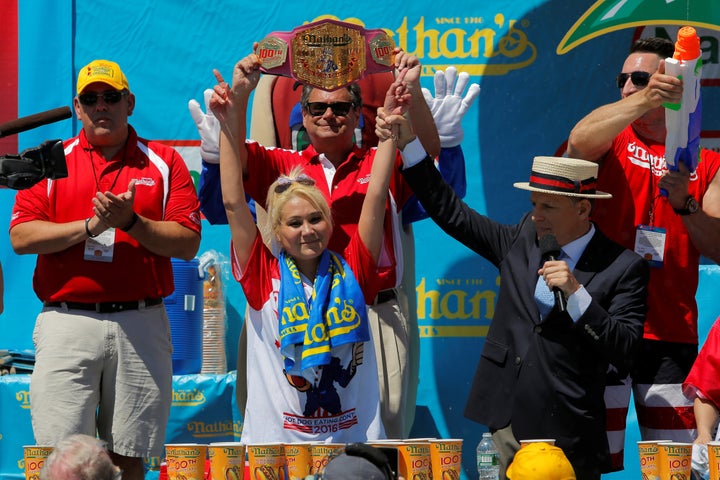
(448, 106)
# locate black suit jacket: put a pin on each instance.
(546, 377)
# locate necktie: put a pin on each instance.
(544, 297)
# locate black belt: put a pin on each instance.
(385, 296)
(106, 307)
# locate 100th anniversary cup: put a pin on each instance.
(299, 460)
(321, 453)
(267, 461)
(446, 459)
(185, 461)
(714, 460)
(227, 460)
(415, 460)
(674, 460)
(34, 457)
(648, 453)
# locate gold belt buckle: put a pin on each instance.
(327, 54)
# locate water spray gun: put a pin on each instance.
(682, 120)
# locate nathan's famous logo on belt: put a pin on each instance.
(455, 307)
(188, 398)
(23, 398)
(327, 54)
(330, 53)
(215, 429)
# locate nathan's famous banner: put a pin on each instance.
(541, 65)
(203, 411)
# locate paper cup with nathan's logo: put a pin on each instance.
(446, 459)
(674, 460)
(714, 460)
(321, 453)
(414, 460)
(34, 458)
(185, 461)
(267, 461)
(299, 460)
(227, 460)
(648, 452)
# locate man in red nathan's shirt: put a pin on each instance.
(627, 138)
(104, 237)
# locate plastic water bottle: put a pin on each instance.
(488, 464)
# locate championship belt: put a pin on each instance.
(327, 54)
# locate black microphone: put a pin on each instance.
(550, 250)
(31, 121)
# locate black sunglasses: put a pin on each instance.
(339, 109)
(639, 79)
(111, 97)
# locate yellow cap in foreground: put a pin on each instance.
(103, 71)
(540, 461)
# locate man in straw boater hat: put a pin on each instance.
(542, 368)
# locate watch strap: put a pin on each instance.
(691, 206)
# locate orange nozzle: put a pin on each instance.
(687, 46)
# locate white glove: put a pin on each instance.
(208, 128)
(448, 109)
(700, 459)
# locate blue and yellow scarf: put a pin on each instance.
(335, 314)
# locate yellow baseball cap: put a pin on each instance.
(103, 71)
(540, 460)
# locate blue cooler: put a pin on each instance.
(185, 312)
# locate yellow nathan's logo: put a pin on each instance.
(188, 398)
(479, 45)
(215, 429)
(23, 398)
(456, 307)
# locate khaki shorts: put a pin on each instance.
(109, 373)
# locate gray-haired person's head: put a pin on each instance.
(79, 457)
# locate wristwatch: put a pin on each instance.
(691, 206)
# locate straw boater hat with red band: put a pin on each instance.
(563, 176)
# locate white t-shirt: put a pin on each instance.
(341, 405)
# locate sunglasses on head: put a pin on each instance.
(283, 183)
(110, 97)
(339, 109)
(639, 79)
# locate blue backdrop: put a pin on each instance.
(530, 98)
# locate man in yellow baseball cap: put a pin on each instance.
(540, 460)
(128, 205)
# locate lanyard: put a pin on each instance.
(654, 196)
(122, 165)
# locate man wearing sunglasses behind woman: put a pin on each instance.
(103, 238)
(627, 139)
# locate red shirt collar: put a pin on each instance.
(131, 140)
(313, 156)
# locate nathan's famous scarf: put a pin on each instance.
(335, 314)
